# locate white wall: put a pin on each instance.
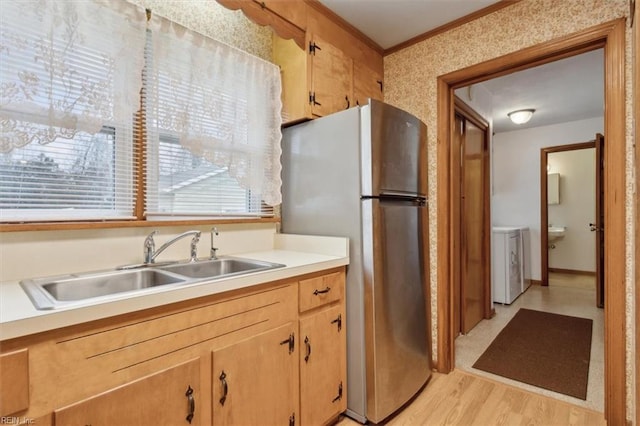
(515, 197)
(577, 169)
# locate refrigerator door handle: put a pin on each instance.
(387, 193)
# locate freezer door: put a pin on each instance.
(394, 151)
(396, 333)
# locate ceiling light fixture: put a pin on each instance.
(521, 116)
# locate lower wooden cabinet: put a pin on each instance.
(14, 381)
(322, 366)
(229, 359)
(170, 397)
(255, 382)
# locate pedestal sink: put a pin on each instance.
(555, 233)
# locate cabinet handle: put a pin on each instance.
(192, 404)
(339, 397)
(291, 341)
(338, 321)
(263, 6)
(326, 290)
(307, 343)
(379, 83)
(225, 387)
(346, 98)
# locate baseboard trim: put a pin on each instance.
(535, 282)
(572, 271)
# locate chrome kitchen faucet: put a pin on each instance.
(150, 252)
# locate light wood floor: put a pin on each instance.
(460, 398)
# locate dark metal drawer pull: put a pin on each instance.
(308, 345)
(225, 387)
(326, 290)
(192, 404)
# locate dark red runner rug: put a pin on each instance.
(546, 350)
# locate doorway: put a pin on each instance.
(580, 254)
(472, 283)
(611, 36)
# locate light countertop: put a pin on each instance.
(301, 255)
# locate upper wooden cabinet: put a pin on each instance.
(367, 83)
(322, 79)
(326, 64)
(331, 76)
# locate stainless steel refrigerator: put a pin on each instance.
(362, 173)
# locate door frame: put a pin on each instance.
(544, 212)
(611, 37)
(465, 111)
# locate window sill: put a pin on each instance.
(52, 226)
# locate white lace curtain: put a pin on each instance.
(221, 103)
(67, 66)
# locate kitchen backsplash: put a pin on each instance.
(44, 253)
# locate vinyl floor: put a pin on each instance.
(568, 296)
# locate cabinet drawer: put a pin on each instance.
(321, 290)
(14, 382)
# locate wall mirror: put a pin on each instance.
(553, 188)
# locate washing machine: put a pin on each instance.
(507, 263)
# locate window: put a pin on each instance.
(74, 76)
(65, 178)
(68, 94)
(190, 184)
(213, 124)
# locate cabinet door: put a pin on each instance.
(14, 376)
(292, 61)
(169, 397)
(367, 83)
(331, 78)
(255, 382)
(323, 349)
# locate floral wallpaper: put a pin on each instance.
(411, 77)
(213, 20)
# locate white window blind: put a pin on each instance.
(70, 80)
(213, 116)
